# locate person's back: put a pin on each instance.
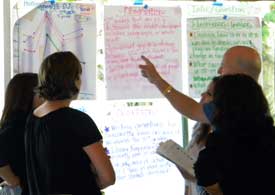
(239, 154)
(244, 164)
(60, 137)
(12, 141)
(64, 148)
(19, 101)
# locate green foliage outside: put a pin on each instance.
(268, 56)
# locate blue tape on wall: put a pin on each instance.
(138, 2)
(52, 1)
(217, 4)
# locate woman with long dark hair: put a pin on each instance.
(240, 153)
(20, 99)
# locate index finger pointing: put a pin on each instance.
(146, 60)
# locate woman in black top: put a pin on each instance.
(239, 156)
(19, 101)
(64, 149)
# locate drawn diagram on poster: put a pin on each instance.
(53, 27)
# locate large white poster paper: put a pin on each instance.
(209, 38)
(132, 132)
(53, 27)
(130, 32)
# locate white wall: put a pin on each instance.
(1, 56)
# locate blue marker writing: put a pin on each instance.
(106, 129)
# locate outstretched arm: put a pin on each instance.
(182, 103)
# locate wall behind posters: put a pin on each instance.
(1, 59)
(132, 128)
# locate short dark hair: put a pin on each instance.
(240, 103)
(57, 76)
(19, 95)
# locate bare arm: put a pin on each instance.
(214, 189)
(10, 178)
(101, 165)
(182, 103)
